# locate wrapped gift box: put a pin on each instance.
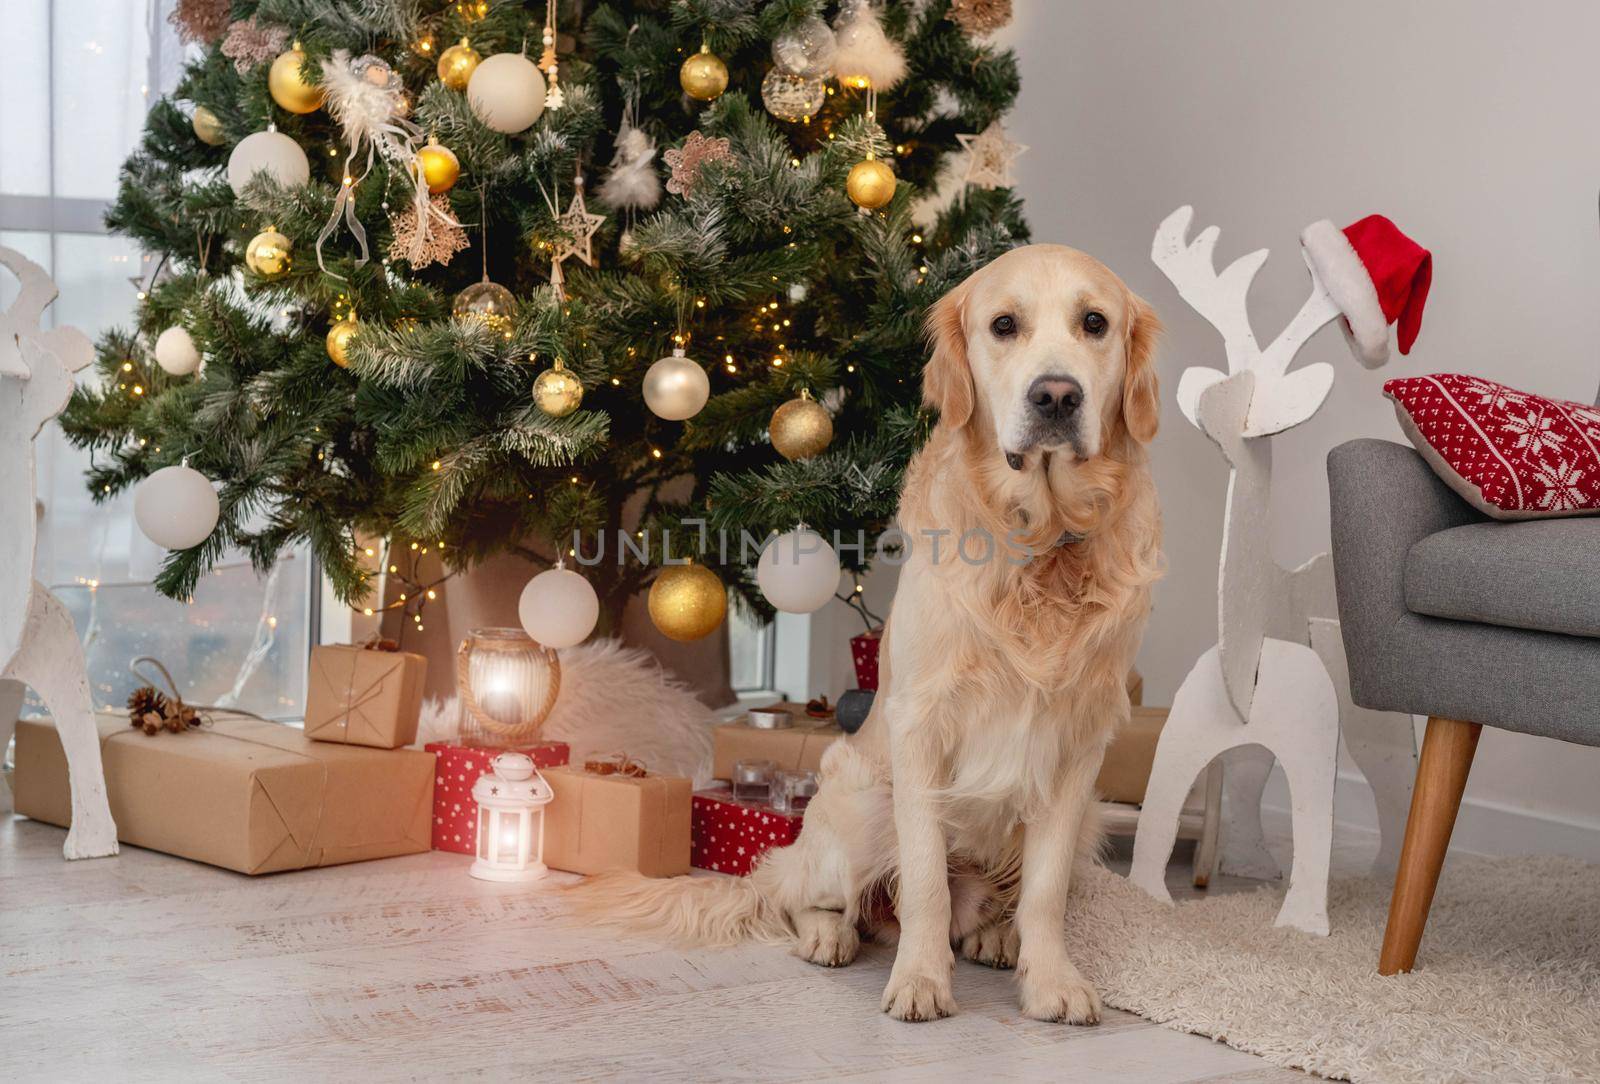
(244, 794)
(1126, 770)
(455, 814)
(364, 696)
(729, 835)
(864, 654)
(604, 822)
(798, 746)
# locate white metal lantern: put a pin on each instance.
(511, 797)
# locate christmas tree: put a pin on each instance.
(333, 182)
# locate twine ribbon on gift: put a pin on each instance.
(615, 764)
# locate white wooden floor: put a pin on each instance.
(145, 966)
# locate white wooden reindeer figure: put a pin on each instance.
(1265, 689)
(39, 647)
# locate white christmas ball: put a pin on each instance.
(176, 507)
(798, 572)
(675, 387)
(559, 608)
(506, 92)
(268, 152)
(176, 353)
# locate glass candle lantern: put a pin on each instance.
(511, 797)
(752, 780)
(508, 684)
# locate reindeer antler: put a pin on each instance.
(1281, 399)
(1220, 298)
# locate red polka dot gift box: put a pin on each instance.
(727, 836)
(1510, 454)
(455, 814)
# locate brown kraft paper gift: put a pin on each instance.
(364, 696)
(603, 822)
(1125, 773)
(794, 748)
(243, 794)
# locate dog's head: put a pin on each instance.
(1044, 349)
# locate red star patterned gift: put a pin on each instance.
(1510, 454)
(727, 836)
(455, 814)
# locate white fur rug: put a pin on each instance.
(1507, 986)
(614, 699)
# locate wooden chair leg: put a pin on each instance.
(1447, 750)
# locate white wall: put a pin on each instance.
(1471, 123)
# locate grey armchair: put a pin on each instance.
(1466, 620)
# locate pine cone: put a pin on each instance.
(142, 701)
(179, 717)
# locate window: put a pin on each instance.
(72, 103)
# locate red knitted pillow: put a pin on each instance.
(1510, 454)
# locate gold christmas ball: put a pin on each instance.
(556, 391)
(704, 76)
(801, 428)
(207, 128)
(269, 254)
(456, 65)
(870, 184)
(489, 302)
(687, 602)
(286, 80)
(338, 341)
(440, 167)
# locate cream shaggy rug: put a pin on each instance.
(1507, 986)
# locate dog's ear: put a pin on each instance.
(1141, 396)
(947, 378)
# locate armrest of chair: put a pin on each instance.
(1384, 499)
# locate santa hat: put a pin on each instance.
(1376, 275)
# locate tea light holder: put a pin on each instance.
(769, 719)
(752, 780)
(511, 797)
(792, 791)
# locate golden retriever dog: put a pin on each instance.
(952, 818)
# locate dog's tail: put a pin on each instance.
(691, 911)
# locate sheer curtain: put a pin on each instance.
(73, 94)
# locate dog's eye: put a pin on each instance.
(1003, 326)
(1094, 323)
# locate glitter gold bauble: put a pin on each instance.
(440, 167)
(287, 82)
(489, 302)
(556, 391)
(801, 428)
(687, 602)
(456, 65)
(269, 254)
(207, 128)
(338, 341)
(704, 76)
(870, 184)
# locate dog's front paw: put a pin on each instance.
(826, 938)
(1059, 998)
(918, 995)
(992, 946)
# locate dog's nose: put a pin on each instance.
(1055, 398)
